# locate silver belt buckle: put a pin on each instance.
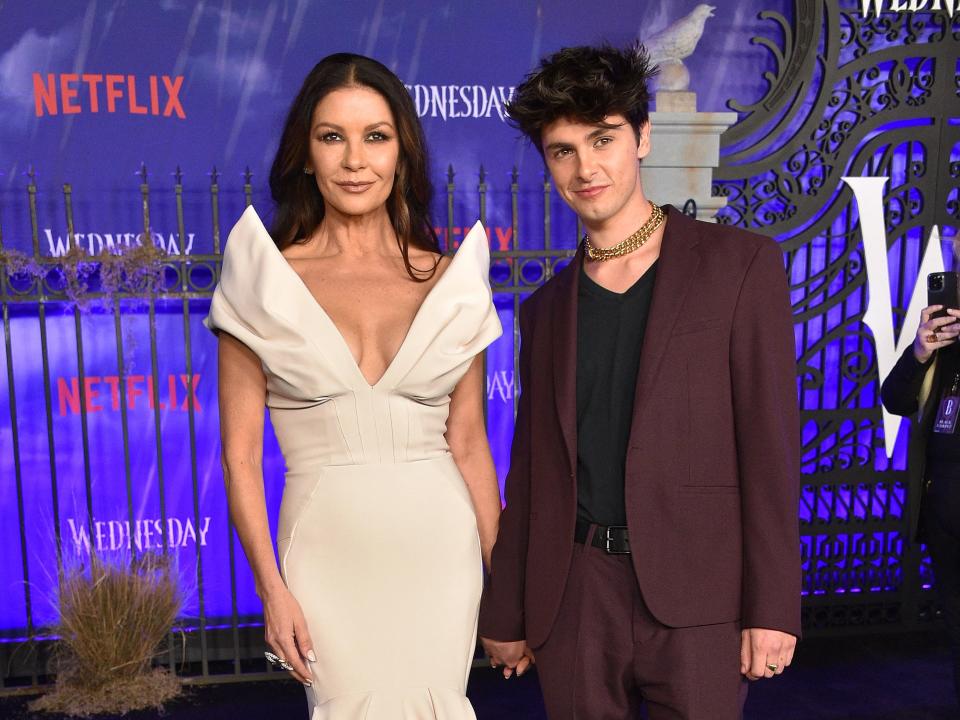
(608, 539)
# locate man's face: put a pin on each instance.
(596, 168)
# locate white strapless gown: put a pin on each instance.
(377, 535)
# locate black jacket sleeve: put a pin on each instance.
(899, 392)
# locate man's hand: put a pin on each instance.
(512, 655)
(765, 653)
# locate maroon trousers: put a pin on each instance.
(606, 654)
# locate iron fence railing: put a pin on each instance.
(38, 285)
(38, 288)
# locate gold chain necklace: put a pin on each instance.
(634, 242)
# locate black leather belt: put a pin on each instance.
(614, 539)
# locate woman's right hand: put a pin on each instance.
(935, 333)
(285, 630)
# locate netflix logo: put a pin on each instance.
(498, 236)
(73, 93)
(174, 393)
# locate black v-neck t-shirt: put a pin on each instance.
(610, 330)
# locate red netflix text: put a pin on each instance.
(503, 236)
(72, 93)
(174, 393)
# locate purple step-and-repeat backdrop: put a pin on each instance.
(90, 90)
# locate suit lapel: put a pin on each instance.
(565, 354)
(679, 258)
(676, 269)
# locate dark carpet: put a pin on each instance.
(888, 677)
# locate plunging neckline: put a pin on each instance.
(344, 346)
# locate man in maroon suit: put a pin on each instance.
(649, 550)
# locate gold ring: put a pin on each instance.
(771, 667)
(933, 337)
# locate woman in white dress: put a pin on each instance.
(365, 344)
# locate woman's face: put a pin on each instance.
(354, 150)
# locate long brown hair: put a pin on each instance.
(300, 207)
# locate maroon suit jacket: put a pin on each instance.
(712, 468)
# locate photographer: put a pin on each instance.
(926, 382)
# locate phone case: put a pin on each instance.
(943, 288)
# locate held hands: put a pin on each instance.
(285, 630)
(935, 333)
(765, 653)
(513, 656)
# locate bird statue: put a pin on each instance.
(675, 42)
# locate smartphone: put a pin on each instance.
(943, 288)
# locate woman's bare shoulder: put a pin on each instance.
(298, 250)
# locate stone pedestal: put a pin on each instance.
(685, 148)
(676, 101)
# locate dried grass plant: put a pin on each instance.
(81, 276)
(113, 617)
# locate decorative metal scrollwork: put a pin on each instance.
(849, 96)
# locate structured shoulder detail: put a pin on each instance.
(457, 321)
(259, 303)
(262, 302)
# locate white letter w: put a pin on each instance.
(868, 192)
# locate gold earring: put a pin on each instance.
(307, 171)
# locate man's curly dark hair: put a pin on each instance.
(587, 84)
